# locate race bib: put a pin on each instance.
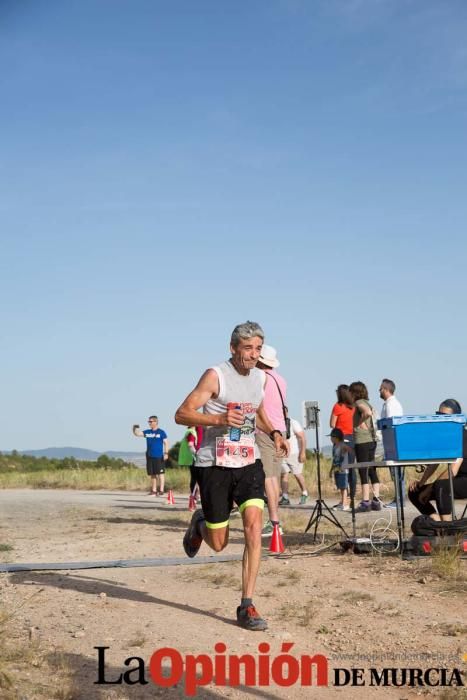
(231, 453)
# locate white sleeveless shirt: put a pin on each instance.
(247, 390)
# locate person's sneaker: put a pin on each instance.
(235, 511)
(303, 499)
(363, 507)
(250, 619)
(341, 507)
(376, 504)
(192, 540)
(269, 528)
(284, 501)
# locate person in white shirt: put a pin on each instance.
(294, 463)
(390, 408)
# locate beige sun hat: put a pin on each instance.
(269, 356)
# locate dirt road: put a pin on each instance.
(358, 611)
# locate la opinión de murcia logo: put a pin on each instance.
(168, 667)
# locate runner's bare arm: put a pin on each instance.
(264, 424)
(166, 448)
(207, 388)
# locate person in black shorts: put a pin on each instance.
(157, 448)
(228, 466)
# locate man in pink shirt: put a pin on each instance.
(275, 397)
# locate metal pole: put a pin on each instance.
(318, 462)
(451, 487)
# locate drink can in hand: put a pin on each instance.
(235, 433)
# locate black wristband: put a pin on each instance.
(271, 434)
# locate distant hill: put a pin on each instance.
(137, 458)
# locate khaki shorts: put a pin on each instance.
(272, 462)
(291, 464)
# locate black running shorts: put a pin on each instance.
(221, 486)
(155, 466)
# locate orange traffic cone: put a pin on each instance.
(192, 502)
(276, 546)
(170, 498)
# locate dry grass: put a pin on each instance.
(139, 640)
(20, 656)
(446, 562)
(302, 614)
(90, 479)
(328, 487)
(322, 629)
(292, 576)
(386, 610)
(223, 580)
(177, 478)
(64, 688)
(289, 578)
(217, 578)
(356, 596)
(452, 694)
(453, 630)
(448, 568)
(458, 587)
(293, 521)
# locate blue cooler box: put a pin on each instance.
(422, 437)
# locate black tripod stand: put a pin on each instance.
(321, 509)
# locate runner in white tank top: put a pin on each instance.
(229, 470)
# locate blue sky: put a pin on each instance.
(169, 170)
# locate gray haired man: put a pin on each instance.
(228, 467)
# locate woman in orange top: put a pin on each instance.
(342, 411)
(342, 418)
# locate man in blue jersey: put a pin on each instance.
(157, 448)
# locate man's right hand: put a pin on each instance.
(234, 418)
(135, 426)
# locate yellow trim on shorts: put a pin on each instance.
(216, 526)
(258, 502)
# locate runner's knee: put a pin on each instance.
(218, 538)
(253, 521)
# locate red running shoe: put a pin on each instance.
(250, 619)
